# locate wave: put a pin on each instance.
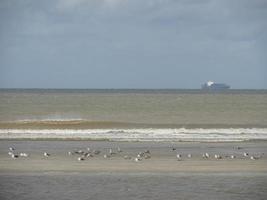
(145, 134)
(79, 123)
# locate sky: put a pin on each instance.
(133, 43)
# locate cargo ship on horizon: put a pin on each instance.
(210, 85)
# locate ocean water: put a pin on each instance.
(141, 186)
(181, 115)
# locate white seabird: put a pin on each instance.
(205, 155)
(217, 156)
(23, 155)
(179, 156)
(126, 157)
(119, 150)
(89, 155)
(106, 156)
(111, 151)
(14, 156)
(11, 149)
(80, 158)
(137, 159)
(232, 156)
(96, 152)
(254, 158)
(46, 154)
(245, 154)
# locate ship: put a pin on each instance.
(210, 85)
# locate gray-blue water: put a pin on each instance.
(133, 186)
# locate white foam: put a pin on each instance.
(179, 134)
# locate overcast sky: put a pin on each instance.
(132, 43)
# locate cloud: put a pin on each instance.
(171, 37)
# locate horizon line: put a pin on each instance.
(48, 88)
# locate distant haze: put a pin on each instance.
(133, 43)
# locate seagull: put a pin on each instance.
(126, 157)
(11, 149)
(89, 155)
(147, 151)
(23, 155)
(179, 156)
(80, 152)
(232, 156)
(80, 158)
(217, 156)
(111, 152)
(14, 156)
(96, 152)
(252, 157)
(189, 155)
(245, 154)
(106, 156)
(119, 149)
(46, 154)
(205, 155)
(137, 159)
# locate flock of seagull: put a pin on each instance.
(88, 153)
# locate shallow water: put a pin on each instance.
(134, 186)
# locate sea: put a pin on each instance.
(143, 186)
(134, 114)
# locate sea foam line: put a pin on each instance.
(180, 134)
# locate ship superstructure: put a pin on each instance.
(210, 85)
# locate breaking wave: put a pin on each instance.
(141, 134)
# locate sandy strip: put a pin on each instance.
(163, 158)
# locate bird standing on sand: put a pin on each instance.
(119, 150)
(205, 155)
(126, 157)
(245, 154)
(111, 152)
(217, 156)
(106, 156)
(23, 155)
(46, 154)
(179, 156)
(14, 156)
(80, 158)
(11, 149)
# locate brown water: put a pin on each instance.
(128, 108)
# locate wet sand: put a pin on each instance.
(163, 157)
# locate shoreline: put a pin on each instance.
(163, 158)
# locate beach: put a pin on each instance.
(162, 157)
(63, 176)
